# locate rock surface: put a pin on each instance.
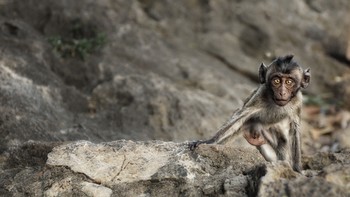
(156, 168)
(167, 70)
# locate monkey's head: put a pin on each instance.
(283, 78)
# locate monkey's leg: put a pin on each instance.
(267, 152)
(267, 149)
(282, 150)
(278, 137)
(288, 144)
(295, 147)
(277, 148)
(270, 136)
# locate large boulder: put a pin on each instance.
(156, 168)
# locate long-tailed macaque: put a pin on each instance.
(270, 117)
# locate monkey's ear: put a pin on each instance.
(306, 78)
(262, 73)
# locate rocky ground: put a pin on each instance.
(86, 87)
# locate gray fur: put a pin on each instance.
(279, 125)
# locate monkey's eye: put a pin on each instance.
(289, 82)
(276, 81)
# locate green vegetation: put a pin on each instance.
(79, 42)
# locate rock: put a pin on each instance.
(121, 163)
(280, 180)
(131, 168)
(192, 71)
(65, 187)
(276, 174)
(322, 159)
(157, 168)
(126, 161)
(160, 108)
(92, 189)
(155, 70)
(235, 186)
(338, 174)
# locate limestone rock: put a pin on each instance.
(280, 180)
(130, 168)
(156, 168)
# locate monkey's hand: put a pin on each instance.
(195, 144)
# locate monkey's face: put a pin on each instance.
(284, 78)
(284, 88)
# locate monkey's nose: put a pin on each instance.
(282, 94)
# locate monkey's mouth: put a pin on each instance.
(281, 102)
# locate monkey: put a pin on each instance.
(270, 116)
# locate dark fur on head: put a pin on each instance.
(284, 64)
(285, 59)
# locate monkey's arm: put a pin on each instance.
(230, 128)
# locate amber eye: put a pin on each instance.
(289, 82)
(276, 81)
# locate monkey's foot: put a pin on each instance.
(297, 168)
(195, 144)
